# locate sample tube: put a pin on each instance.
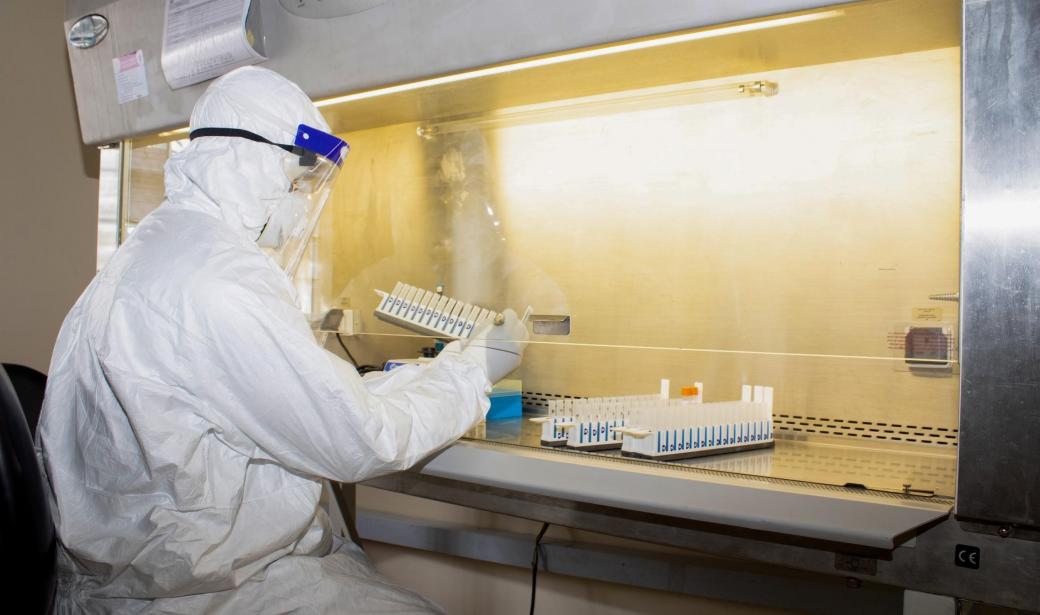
(441, 324)
(388, 300)
(406, 302)
(398, 299)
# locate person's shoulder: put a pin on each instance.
(181, 257)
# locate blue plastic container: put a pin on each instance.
(506, 400)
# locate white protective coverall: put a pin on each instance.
(190, 416)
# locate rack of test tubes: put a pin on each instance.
(679, 429)
(656, 427)
(431, 313)
(587, 423)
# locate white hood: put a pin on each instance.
(242, 178)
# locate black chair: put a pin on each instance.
(27, 537)
(29, 385)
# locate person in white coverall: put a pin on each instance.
(190, 416)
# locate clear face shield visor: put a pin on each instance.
(311, 170)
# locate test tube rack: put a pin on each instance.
(681, 430)
(586, 423)
(656, 427)
(431, 313)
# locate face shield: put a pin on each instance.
(311, 166)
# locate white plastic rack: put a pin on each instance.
(656, 427)
(431, 313)
(681, 430)
(587, 423)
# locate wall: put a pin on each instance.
(48, 208)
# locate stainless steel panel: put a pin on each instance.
(403, 40)
(999, 461)
(833, 515)
(75, 9)
(689, 573)
(1008, 575)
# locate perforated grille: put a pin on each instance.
(794, 423)
(533, 400)
(866, 430)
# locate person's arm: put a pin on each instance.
(309, 410)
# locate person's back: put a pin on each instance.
(190, 416)
(134, 442)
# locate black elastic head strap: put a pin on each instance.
(307, 158)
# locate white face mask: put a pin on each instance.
(284, 215)
(289, 229)
(308, 169)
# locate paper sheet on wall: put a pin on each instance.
(203, 39)
(131, 78)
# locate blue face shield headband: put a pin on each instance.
(308, 144)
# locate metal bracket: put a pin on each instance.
(551, 324)
(855, 563)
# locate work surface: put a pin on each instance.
(788, 506)
(823, 461)
(809, 490)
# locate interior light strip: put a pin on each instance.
(582, 55)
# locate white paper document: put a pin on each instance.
(131, 79)
(203, 39)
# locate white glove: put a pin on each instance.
(497, 348)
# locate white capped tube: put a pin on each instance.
(427, 312)
(431, 307)
(413, 304)
(388, 300)
(441, 324)
(398, 299)
(406, 303)
(453, 317)
(461, 327)
(426, 308)
(473, 320)
(418, 305)
(438, 309)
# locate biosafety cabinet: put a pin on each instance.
(818, 223)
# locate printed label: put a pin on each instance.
(131, 79)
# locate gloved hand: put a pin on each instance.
(497, 348)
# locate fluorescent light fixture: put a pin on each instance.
(175, 132)
(582, 55)
(631, 100)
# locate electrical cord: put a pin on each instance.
(339, 338)
(362, 369)
(534, 564)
